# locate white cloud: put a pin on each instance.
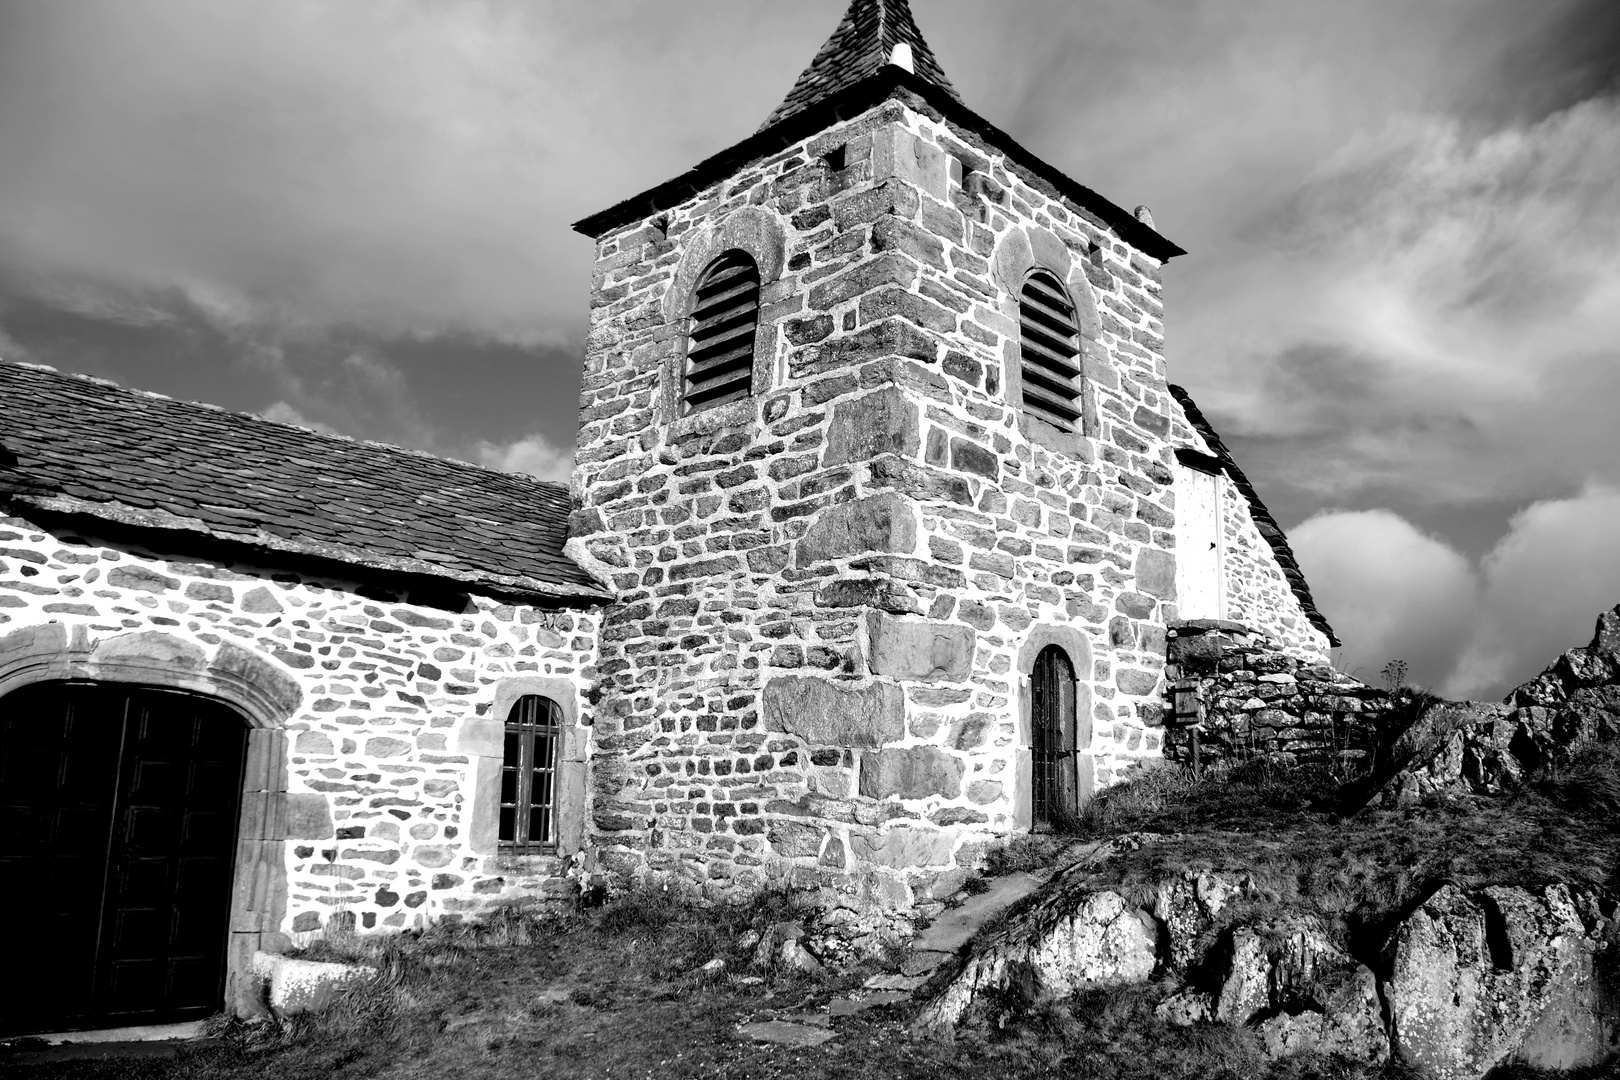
(283, 413)
(1411, 314)
(532, 455)
(1543, 586)
(1393, 593)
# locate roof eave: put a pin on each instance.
(259, 541)
(846, 104)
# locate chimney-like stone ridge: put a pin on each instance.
(873, 33)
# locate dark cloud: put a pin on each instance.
(1402, 290)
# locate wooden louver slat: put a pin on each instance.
(1049, 346)
(720, 349)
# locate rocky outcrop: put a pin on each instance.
(1484, 748)
(1303, 995)
(1500, 974)
(1189, 906)
(1089, 939)
(1470, 980)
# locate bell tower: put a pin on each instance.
(875, 445)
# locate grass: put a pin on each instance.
(620, 992)
(1361, 874)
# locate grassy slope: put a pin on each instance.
(614, 995)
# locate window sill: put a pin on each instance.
(1070, 443)
(731, 414)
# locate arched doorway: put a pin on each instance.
(118, 831)
(1054, 793)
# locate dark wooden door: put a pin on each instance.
(1053, 794)
(118, 810)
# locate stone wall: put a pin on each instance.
(829, 590)
(1235, 695)
(388, 739)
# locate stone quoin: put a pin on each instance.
(883, 518)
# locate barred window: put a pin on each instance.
(529, 776)
(1049, 343)
(720, 352)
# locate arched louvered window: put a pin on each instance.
(529, 770)
(720, 353)
(1049, 341)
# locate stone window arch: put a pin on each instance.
(1026, 254)
(750, 232)
(484, 740)
(1051, 650)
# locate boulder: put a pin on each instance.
(1189, 906)
(1480, 978)
(1284, 978)
(1074, 939)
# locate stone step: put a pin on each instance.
(850, 1006)
(785, 1033)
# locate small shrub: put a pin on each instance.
(1590, 784)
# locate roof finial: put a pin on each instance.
(1145, 216)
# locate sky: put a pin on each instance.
(1400, 306)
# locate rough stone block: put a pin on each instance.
(884, 422)
(483, 737)
(278, 689)
(903, 848)
(308, 817)
(301, 986)
(141, 579)
(913, 773)
(881, 522)
(159, 651)
(913, 649)
(825, 713)
(1156, 573)
(901, 155)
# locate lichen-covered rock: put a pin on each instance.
(1302, 995)
(1076, 939)
(1477, 979)
(1189, 905)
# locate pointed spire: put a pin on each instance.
(873, 33)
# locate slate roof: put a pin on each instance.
(76, 445)
(1263, 521)
(862, 44)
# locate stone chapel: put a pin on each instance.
(882, 515)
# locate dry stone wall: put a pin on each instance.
(1236, 695)
(392, 748)
(818, 668)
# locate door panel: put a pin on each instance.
(130, 851)
(1055, 791)
(1200, 569)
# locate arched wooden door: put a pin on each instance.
(1054, 791)
(118, 821)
